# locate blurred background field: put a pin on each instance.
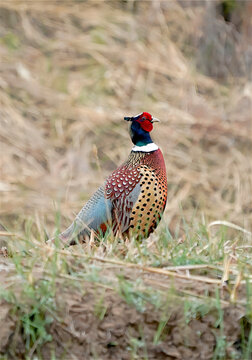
(69, 72)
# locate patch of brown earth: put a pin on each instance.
(101, 325)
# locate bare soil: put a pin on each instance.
(96, 322)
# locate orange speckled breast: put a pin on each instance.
(150, 205)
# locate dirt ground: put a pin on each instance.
(83, 329)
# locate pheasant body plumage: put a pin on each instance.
(133, 197)
(138, 190)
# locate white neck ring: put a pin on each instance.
(145, 148)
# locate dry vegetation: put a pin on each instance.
(69, 72)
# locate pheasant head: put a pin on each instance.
(140, 128)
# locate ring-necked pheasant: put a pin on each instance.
(133, 197)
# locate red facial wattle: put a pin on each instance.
(146, 125)
(145, 121)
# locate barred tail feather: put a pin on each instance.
(93, 214)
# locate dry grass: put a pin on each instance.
(68, 75)
(69, 72)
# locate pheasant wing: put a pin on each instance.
(123, 188)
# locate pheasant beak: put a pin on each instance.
(128, 118)
(155, 120)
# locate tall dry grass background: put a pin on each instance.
(70, 71)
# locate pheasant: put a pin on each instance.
(133, 198)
